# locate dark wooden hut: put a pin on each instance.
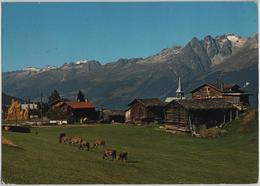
(202, 113)
(145, 110)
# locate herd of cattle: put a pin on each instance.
(83, 144)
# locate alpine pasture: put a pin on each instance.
(154, 156)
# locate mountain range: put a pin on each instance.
(229, 58)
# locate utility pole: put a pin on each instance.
(101, 111)
(15, 116)
(41, 106)
(29, 111)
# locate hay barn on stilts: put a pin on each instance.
(193, 115)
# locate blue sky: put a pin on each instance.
(40, 34)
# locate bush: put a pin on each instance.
(212, 132)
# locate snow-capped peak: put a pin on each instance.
(32, 69)
(81, 62)
(233, 38)
(50, 67)
(236, 41)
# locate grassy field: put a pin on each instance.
(154, 156)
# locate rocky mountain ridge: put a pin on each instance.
(115, 84)
(210, 48)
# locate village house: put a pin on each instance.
(30, 106)
(195, 114)
(145, 110)
(229, 92)
(78, 111)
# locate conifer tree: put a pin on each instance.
(54, 96)
(80, 97)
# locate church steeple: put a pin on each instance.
(179, 92)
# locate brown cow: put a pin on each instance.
(122, 156)
(99, 142)
(64, 139)
(75, 140)
(109, 153)
(84, 144)
(61, 136)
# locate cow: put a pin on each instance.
(109, 153)
(83, 145)
(98, 142)
(65, 139)
(75, 140)
(122, 156)
(61, 136)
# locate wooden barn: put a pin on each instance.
(112, 116)
(201, 113)
(229, 92)
(78, 110)
(145, 110)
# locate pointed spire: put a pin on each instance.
(179, 86)
(179, 92)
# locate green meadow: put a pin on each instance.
(154, 156)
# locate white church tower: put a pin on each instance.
(179, 93)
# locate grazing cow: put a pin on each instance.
(84, 144)
(61, 136)
(122, 156)
(75, 140)
(99, 142)
(65, 139)
(109, 153)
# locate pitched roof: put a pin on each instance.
(226, 87)
(204, 104)
(148, 102)
(59, 100)
(80, 105)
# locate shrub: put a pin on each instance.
(212, 132)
